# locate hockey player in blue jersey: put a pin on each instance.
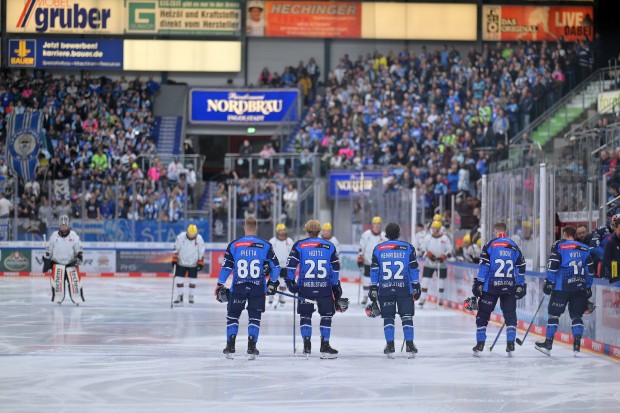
(245, 259)
(500, 276)
(599, 239)
(569, 280)
(394, 284)
(318, 280)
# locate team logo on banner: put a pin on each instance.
(22, 53)
(23, 144)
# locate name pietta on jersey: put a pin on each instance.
(314, 244)
(249, 253)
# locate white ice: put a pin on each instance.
(125, 350)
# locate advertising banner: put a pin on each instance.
(304, 19)
(66, 53)
(15, 260)
(101, 17)
(345, 184)
(144, 260)
(183, 17)
(512, 23)
(609, 102)
(243, 106)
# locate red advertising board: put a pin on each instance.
(313, 19)
(511, 23)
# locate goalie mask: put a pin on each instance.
(63, 222)
(373, 310)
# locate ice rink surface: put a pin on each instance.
(125, 350)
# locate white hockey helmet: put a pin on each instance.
(63, 220)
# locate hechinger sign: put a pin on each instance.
(243, 106)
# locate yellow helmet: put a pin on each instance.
(376, 220)
(436, 224)
(280, 227)
(479, 242)
(327, 226)
(192, 230)
(527, 224)
(438, 217)
(467, 238)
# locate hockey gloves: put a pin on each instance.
(373, 293)
(430, 256)
(175, 260)
(477, 288)
(272, 287)
(200, 264)
(471, 303)
(548, 287)
(373, 310)
(47, 264)
(588, 292)
(341, 304)
(520, 291)
(80, 258)
(337, 291)
(417, 291)
(360, 262)
(221, 293)
(292, 286)
(442, 258)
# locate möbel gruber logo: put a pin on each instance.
(22, 53)
(65, 16)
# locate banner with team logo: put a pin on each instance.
(183, 17)
(512, 23)
(23, 143)
(64, 16)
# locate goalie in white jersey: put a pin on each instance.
(282, 245)
(370, 239)
(188, 259)
(437, 250)
(62, 256)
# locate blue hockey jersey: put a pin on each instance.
(319, 267)
(245, 258)
(394, 267)
(502, 266)
(570, 266)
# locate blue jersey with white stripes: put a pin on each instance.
(245, 258)
(570, 266)
(319, 267)
(502, 266)
(394, 267)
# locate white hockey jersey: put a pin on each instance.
(368, 242)
(437, 246)
(418, 241)
(63, 250)
(334, 241)
(282, 249)
(189, 250)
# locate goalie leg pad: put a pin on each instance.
(57, 280)
(75, 285)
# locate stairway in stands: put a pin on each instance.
(167, 134)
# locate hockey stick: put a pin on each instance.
(359, 288)
(496, 337)
(174, 271)
(296, 297)
(294, 327)
(520, 342)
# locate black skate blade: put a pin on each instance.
(543, 350)
(327, 356)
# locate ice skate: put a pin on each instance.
(230, 347)
(191, 299)
(421, 302)
(545, 346)
(389, 349)
(576, 345)
(478, 348)
(179, 300)
(364, 300)
(307, 346)
(510, 348)
(270, 302)
(327, 352)
(411, 349)
(252, 351)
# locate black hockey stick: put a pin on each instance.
(294, 327)
(174, 271)
(496, 337)
(520, 342)
(308, 300)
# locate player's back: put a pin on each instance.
(318, 266)
(505, 263)
(392, 261)
(249, 254)
(571, 261)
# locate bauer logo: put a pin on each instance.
(65, 16)
(141, 16)
(22, 53)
